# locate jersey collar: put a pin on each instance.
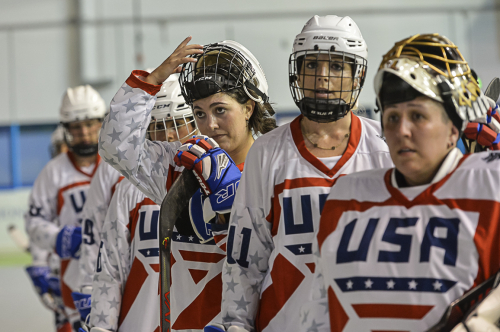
(426, 194)
(352, 145)
(73, 162)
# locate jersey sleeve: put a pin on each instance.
(123, 143)
(93, 215)
(314, 313)
(249, 245)
(112, 267)
(41, 221)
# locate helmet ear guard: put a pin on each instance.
(449, 103)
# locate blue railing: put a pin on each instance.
(25, 150)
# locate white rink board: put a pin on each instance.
(13, 204)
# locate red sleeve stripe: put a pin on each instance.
(134, 81)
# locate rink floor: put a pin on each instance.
(20, 308)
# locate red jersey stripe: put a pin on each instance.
(400, 311)
(205, 257)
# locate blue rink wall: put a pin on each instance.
(24, 150)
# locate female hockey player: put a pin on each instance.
(128, 261)
(228, 91)
(44, 269)
(104, 184)
(288, 175)
(59, 192)
(397, 246)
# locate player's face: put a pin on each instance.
(222, 118)
(84, 132)
(324, 78)
(419, 137)
(166, 130)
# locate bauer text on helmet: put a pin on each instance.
(171, 118)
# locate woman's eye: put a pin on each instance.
(337, 66)
(392, 118)
(199, 115)
(220, 110)
(417, 116)
(311, 65)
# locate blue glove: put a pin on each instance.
(47, 286)
(82, 303)
(200, 219)
(39, 275)
(68, 242)
(54, 285)
(216, 172)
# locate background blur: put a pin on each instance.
(48, 45)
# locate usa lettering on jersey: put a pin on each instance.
(391, 263)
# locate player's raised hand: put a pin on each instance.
(172, 64)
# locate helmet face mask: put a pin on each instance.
(223, 67)
(325, 85)
(160, 129)
(171, 114)
(82, 137)
(432, 65)
(327, 67)
(81, 113)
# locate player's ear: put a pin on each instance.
(248, 109)
(453, 137)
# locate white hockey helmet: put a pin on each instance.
(340, 39)
(224, 66)
(81, 103)
(430, 65)
(171, 106)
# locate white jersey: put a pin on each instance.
(196, 268)
(276, 211)
(99, 195)
(57, 200)
(125, 287)
(394, 258)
